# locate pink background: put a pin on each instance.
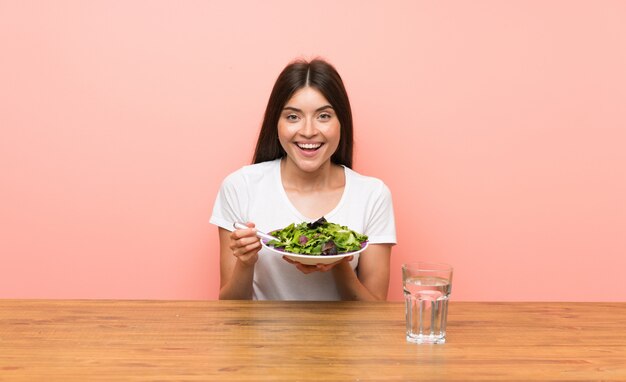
(499, 127)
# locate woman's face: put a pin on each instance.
(308, 129)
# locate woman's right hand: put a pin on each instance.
(245, 244)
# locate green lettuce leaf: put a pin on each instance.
(320, 238)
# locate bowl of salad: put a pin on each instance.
(320, 242)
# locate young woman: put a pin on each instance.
(301, 172)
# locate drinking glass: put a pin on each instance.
(427, 289)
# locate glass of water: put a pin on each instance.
(426, 291)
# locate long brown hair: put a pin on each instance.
(321, 76)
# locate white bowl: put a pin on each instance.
(313, 259)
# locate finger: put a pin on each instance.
(255, 246)
(324, 267)
(249, 258)
(246, 249)
(245, 241)
(328, 267)
(288, 260)
(306, 268)
(241, 233)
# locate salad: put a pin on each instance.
(320, 238)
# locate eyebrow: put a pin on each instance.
(300, 111)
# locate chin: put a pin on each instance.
(310, 166)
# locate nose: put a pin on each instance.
(308, 129)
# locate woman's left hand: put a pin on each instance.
(306, 269)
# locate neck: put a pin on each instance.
(325, 177)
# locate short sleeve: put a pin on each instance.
(381, 227)
(230, 203)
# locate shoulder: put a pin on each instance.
(251, 173)
(368, 183)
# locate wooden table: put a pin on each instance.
(289, 341)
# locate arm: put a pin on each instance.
(239, 252)
(371, 281)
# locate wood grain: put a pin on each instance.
(60, 340)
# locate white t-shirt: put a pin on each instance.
(255, 193)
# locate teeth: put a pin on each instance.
(309, 145)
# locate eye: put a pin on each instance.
(291, 117)
(325, 116)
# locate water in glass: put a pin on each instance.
(426, 301)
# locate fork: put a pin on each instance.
(259, 234)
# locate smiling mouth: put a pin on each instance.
(309, 146)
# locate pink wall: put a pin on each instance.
(499, 127)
